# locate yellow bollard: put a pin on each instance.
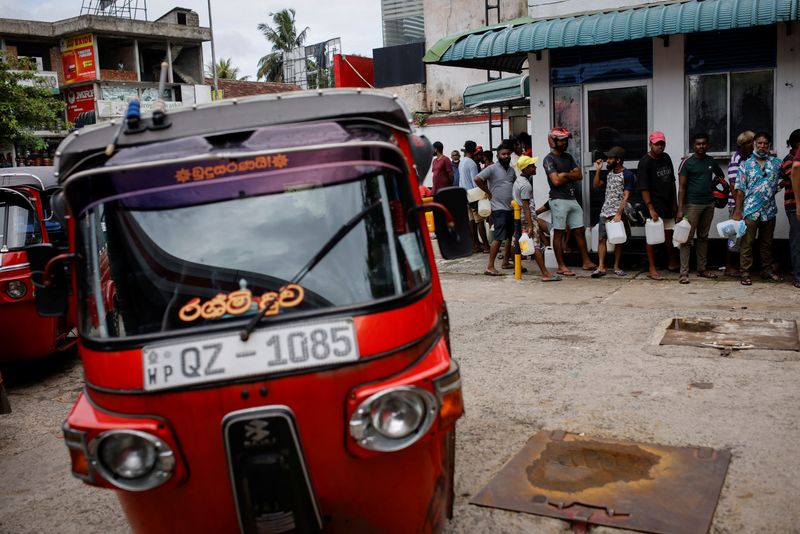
(429, 215)
(517, 235)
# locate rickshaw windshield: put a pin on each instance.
(19, 226)
(238, 252)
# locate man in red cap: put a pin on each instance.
(564, 176)
(656, 181)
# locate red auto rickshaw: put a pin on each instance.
(26, 218)
(264, 338)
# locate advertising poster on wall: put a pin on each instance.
(77, 57)
(79, 100)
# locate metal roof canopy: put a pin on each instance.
(505, 92)
(39, 177)
(505, 46)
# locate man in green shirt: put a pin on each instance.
(696, 203)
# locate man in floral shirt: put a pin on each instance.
(756, 185)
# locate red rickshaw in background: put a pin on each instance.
(26, 218)
(275, 354)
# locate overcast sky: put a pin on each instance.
(358, 23)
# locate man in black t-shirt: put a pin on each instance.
(564, 177)
(656, 179)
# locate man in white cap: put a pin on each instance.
(523, 195)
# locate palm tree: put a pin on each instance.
(283, 37)
(225, 70)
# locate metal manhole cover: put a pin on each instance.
(636, 486)
(770, 334)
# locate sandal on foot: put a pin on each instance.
(655, 276)
(684, 279)
(621, 273)
(554, 278)
(565, 273)
(492, 273)
(597, 273)
(774, 277)
(707, 274)
(746, 281)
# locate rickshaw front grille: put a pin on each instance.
(271, 486)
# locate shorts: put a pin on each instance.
(535, 234)
(669, 224)
(503, 224)
(473, 215)
(601, 226)
(566, 213)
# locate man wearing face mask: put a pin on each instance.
(497, 181)
(745, 143)
(756, 185)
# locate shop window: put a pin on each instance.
(727, 103)
(730, 83)
(567, 114)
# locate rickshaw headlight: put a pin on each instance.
(133, 460)
(16, 289)
(393, 419)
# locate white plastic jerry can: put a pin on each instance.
(595, 238)
(484, 207)
(654, 231)
(682, 232)
(526, 244)
(550, 258)
(616, 232)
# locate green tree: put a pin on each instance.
(25, 104)
(225, 70)
(283, 36)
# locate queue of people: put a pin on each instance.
(692, 194)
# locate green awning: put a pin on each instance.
(505, 46)
(505, 92)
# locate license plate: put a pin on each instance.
(268, 351)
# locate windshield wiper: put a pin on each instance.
(318, 257)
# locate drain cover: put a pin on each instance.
(770, 334)
(649, 488)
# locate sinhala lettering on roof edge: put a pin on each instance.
(505, 46)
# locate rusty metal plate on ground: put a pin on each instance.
(770, 334)
(643, 487)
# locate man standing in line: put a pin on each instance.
(745, 143)
(796, 185)
(523, 195)
(656, 179)
(442, 168)
(455, 157)
(790, 204)
(756, 186)
(564, 178)
(619, 183)
(497, 181)
(467, 170)
(487, 158)
(696, 203)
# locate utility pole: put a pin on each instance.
(213, 54)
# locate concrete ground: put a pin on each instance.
(582, 355)
(579, 355)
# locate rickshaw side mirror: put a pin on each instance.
(58, 208)
(453, 235)
(49, 278)
(422, 154)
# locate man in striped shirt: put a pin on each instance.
(745, 144)
(790, 205)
